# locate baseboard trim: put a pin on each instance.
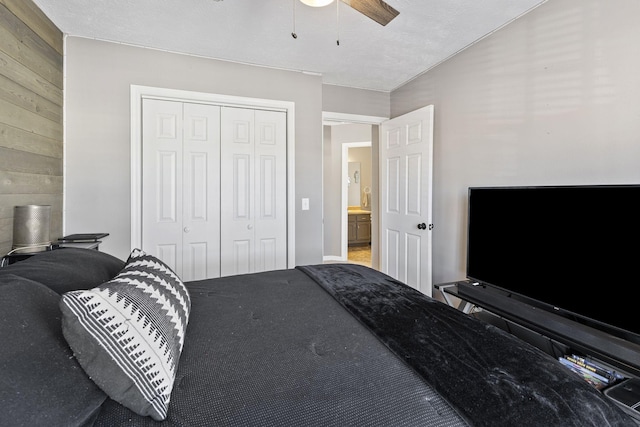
(333, 258)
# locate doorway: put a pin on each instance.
(356, 201)
(389, 252)
(334, 201)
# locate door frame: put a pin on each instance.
(329, 117)
(137, 93)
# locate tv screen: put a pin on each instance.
(573, 249)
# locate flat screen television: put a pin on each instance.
(572, 250)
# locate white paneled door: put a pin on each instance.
(214, 188)
(254, 210)
(181, 186)
(406, 163)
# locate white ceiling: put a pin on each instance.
(258, 32)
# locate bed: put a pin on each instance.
(315, 345)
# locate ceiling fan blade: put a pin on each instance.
(378, 10)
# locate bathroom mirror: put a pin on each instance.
(353, 181)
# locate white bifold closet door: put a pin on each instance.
(253, 191)
(213, 188)
(181, 186)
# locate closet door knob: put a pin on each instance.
(187, 229)
(249, 227)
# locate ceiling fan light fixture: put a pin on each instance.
(317, 3)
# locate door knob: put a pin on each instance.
(422, 226)
(249, 227)
(187, 229)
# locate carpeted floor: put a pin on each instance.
(360, 255)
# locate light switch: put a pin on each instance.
(305, 204)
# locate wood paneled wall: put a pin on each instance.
(31, 94)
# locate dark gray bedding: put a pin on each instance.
(275, 349)
(348, 347)
(491, 377)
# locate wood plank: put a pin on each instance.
(5, 246)
(12, 92)
(31, 114)
(21, 161)
(9, 201)
(25, 46)
(20, 74)
(6, 235)
(34, 18)
(20, 118)
(6, 226)
(18, 139)
(55, 229)
(24, 183)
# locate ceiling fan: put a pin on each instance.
(378, 10)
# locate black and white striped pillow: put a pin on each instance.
(128, 333)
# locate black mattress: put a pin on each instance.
(275, 349)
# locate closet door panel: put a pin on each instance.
(181, 182)
(167, 180)
(241, 191)
(237, 240)
(168, 253)
(267, 255)
(196, 191)
(201, 202)
(267, 187)
(162, 180)
(197, 259)
(241, 257)
(270, 194)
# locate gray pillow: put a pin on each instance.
(40, 381)
(128, 333)
(67, 269)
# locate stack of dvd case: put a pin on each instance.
(594, 372)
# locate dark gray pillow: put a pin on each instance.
(128, 333)
(40, 381)
(67, 269)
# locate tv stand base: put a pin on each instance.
(622, 354)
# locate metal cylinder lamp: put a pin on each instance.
(31, 224)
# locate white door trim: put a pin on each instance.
(140, 92)
(332, 117)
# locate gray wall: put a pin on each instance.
(98, 79)
(340, 99)
(331, 207)
(551, 98)
(31, 83)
